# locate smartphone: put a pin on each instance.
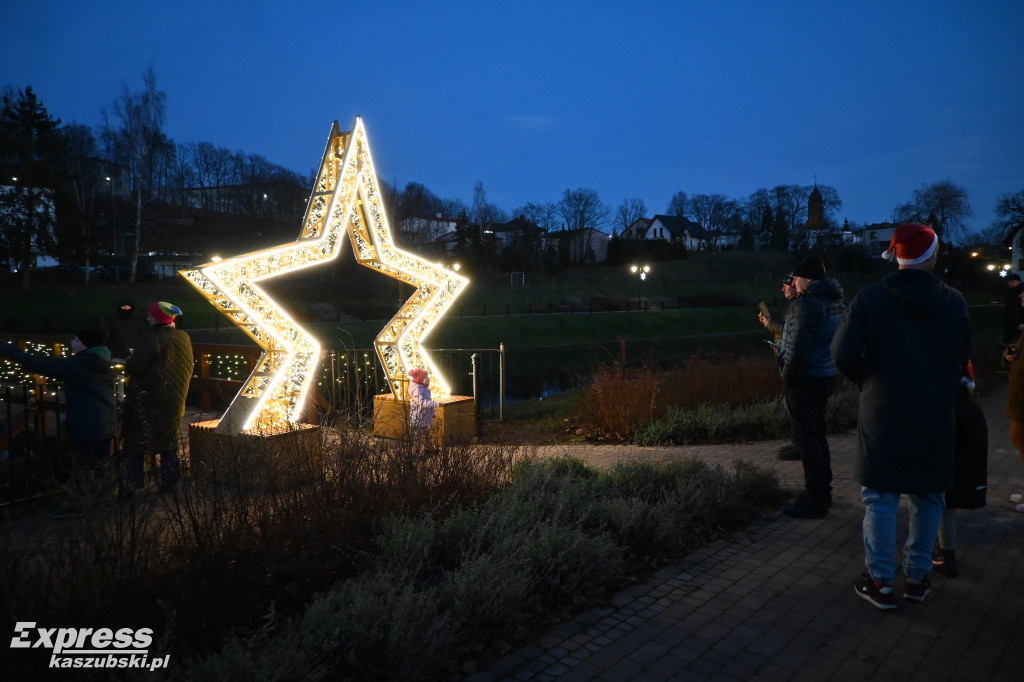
(764, 309)
(774, 345)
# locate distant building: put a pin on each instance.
(876, 237)
(680, 230)
(637, 230)
(585, 245)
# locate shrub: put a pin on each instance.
(441, 592)
(618, 402)
(725, 424)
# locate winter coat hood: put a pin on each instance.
(916, 292)
(829, 288)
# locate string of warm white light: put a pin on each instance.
(344, 198)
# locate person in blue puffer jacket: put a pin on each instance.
(809, 378)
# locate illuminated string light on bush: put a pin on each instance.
(345, 198)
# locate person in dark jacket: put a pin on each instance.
(124, 327)
(905, 344)
(788, 452)
(970, 473)
(91, 420)
(809, 378)
(159, 372)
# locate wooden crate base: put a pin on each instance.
(281, 460)
(454, 419)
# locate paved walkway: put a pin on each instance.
(777, 602)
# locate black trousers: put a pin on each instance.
(806, 399)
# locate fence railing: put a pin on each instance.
(33, 441)
(348, 379)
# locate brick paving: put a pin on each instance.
(776, 602)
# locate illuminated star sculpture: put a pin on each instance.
(345, 197)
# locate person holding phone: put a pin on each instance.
(789, 452)
(809, 379)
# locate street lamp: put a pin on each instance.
(642, 270)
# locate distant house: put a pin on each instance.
(875, 238)
(516, 231)
(585, 245)
(421, 230)
(637, 229)
(678, 229)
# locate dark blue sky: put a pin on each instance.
(632, 99)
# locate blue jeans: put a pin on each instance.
(880, 511)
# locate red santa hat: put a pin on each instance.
(911, 244)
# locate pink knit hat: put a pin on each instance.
(418, 375)
(163, 312)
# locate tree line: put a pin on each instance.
(72, 167)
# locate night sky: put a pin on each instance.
(632, 99)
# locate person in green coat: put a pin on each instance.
(158, 372)
(91, 421)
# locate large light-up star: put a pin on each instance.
(345, 197)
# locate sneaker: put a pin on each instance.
(916, 589)
(880, 596)
(805, 508)
(1017, 497)
(1020, 507)
(66, 510)
(789, 453)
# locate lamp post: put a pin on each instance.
(642, 270)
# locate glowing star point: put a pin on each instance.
(345, 199)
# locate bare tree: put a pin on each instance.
(760, 215)
(629, 211)
(84, 181)
(582, 212)
(713, 212)
(678, 205)
(140, 118)
(1009, 215)
(483, 211)
(542, 215)
(182, 176)
(943, 205)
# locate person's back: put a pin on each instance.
(915, 337)
(906, 344)
(159, 372)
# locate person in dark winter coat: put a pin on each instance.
(809, 378)
(905, 344)
(91, 420)
(970, 473)
(159, 371)
(788, 452)
(124, 328)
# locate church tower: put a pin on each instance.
(815, 210)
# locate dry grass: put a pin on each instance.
(208, 561)
(618, 401)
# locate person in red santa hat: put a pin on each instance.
(905, 343)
